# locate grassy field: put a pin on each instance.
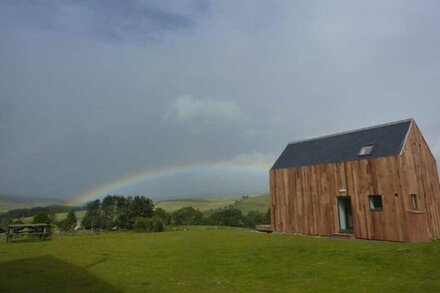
(201, 204)
(253, 202)
(209, 259)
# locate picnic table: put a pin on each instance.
(39, 230)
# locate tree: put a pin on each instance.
(187, 216)
(68, 224)
(142, 224)
(141, 207)
(91, 219)
(117, 210)
(164, 215)
(107, 212)
(71, 217)
(122, 212)
(4, 220)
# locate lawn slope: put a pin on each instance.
(217, 260)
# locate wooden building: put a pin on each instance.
(373, 183)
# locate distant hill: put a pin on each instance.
(58, 217)
(245, 203)
(10, 202)
(253, 203)
(198, 203)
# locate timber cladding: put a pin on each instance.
(304, 199)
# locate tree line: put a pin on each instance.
(225, 217)
(139, 213)
(115, 212)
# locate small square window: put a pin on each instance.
(375, 202)
(366, 150)
(414, 205)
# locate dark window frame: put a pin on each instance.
(371, 203)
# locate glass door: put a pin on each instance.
(345, 214)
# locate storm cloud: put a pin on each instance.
(91, 91)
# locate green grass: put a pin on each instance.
(201, 204)
(208, 259)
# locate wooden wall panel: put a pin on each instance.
(303, 199)
(424, 180)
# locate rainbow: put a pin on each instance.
(130, 179)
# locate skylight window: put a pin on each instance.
(366, 150)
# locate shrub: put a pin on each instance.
(18, 221)
(267, 217)
(141, 224)
(157, 224)
(154, 224)
(228, 217)
(254, 218)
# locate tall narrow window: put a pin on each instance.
(375, 202)
(414, 205)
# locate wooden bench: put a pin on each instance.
(264, 228)
(40, 230)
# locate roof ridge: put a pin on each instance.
(350, 131)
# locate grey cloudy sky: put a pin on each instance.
(91, 91)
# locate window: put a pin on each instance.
(366, 150)
(414, 205)
(375, 202)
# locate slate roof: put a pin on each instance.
(388, 140)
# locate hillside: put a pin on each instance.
(253, 203)
(10, 202)
(197, 203)
(245, 203)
